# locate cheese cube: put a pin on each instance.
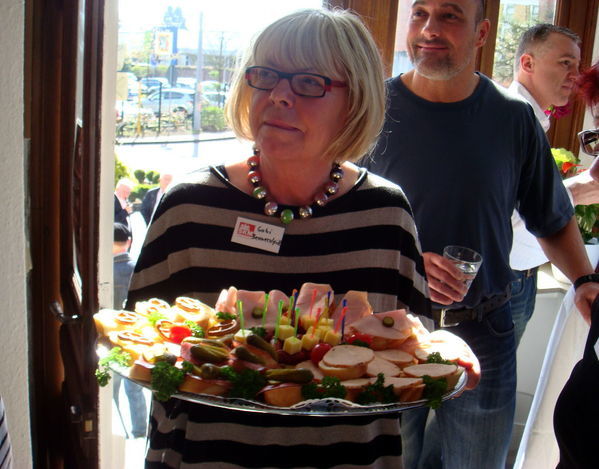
(286, 331)
(292, 345)
(322, 330)
(241, 335)
(326, 322)
(285, 320)
(309, 341)
(331, 337)
(306, 321)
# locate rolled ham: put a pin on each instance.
(226, 301)
(251, 300)
(304, 298)
(357, 305)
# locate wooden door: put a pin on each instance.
(62, 92)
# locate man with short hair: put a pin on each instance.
(153, 196)
(545, 71)
(123, 267)
(466, 153)
(122, 207)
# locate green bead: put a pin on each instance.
(259, 192)
(287, 216)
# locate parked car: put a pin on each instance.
(170, 100)
(186, 82)
(151, 84)
(214, 98)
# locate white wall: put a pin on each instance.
(13, 263)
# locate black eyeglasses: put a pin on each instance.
(589, 141)
(310, 85)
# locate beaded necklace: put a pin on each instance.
(271, 207)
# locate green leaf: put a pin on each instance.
(116, 356)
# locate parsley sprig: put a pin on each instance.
(436, 357)
(377, 392)
(245, 384)
(166, 379)
(434, 388)
(329, 387)
(116, 356)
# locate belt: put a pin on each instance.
(529, 272)
(445, 317)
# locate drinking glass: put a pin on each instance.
(465, 259)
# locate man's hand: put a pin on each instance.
(584, 189)
(445, 280)
(466, 359)
(584, 297)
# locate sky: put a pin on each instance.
(242, 18)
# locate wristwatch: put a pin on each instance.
(586, 279)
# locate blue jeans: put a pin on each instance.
(524, 293)
(472, 431)
(137, 404)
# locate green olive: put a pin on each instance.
(257, 312)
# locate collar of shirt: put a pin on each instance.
(519, 89)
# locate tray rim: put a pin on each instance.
(329, 407)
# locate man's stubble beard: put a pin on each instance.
(442, 69)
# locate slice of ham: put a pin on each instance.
(304, 298)
(357, 304)
(272, 309)
(226, 301)
(373, 325)
(250, 300)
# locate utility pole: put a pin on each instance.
(197, 108)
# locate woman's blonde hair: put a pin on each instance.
(332, 43)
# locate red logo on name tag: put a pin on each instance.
(246, 229)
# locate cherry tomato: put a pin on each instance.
(357, 338)
(178, 333)
(318, 352)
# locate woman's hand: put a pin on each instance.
(445, 280)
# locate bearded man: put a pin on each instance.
(467, 153)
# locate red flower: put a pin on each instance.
(558, 111)
(567, 166)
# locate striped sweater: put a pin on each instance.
(364, 240)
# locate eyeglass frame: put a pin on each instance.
(328, 82)
(584, 144)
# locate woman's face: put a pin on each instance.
(288, 126)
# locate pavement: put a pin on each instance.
(183, 138)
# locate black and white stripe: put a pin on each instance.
(6, 461)
(365, 240)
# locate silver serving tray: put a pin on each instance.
(328, 407)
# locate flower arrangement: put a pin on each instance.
(566, 161)
(586, 215)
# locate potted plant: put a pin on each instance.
(586, 215)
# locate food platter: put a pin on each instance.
(309, 362)
(330, 407)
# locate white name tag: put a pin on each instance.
(258, 235)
